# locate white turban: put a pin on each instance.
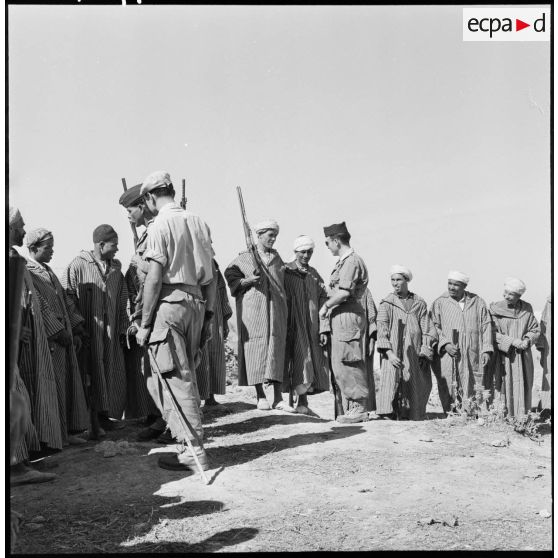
(266, 225)
(515, 285)
(303, 242)
(458, 276)
(14, 216)
(156, 179)
(36, 236)
(402, 270)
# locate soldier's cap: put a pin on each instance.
(104, 233)
(156, 179)
(338, 228)
(131, 196)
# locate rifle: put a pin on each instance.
(184, 199)
(181, 417)
(132, 226)
(454, 369)
(252, 248)
(400, 343)
(85, 363)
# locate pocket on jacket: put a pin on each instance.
(160, 349)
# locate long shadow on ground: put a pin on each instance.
(229, 456)
(213, 543)
(255, 424)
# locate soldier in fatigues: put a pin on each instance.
(347, 324)
(138, 401)
(178, 299)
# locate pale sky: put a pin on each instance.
(433, 150)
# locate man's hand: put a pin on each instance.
(524, 344)
(25, 335)
(225, 331)
(206, 332)
(142, 336)
(251, 281)
(452, 350)
(324, 312)
(62, 338)
(485, 359)
(77, 343)
(323, 339)
(518, 344)
(371, 345)
(394, 360)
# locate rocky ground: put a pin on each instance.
(283, 482)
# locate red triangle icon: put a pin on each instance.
(519, 25)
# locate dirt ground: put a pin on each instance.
(283, 482)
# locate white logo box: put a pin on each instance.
(501, 24)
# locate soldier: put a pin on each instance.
(138, 400)
(347, 324)
(178, 299)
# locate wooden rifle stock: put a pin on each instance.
(454, 369)
(183, 200)
(400, 355)
(132, 226)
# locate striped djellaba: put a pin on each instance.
(370, 315)
(305, 361)
(407, 333)
(138, 401)
(474, 331)
(261, 314)
(514, 369)
(29, 441)
(36, 369)
(211, 373)
(101, 299)
(74, 414)
(544, 345)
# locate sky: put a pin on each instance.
(434, 151)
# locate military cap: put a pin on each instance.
(339, 228)
(131, 196)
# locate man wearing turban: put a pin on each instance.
(306, 369)
(344, 317)
(261, 313)
(464, 342)
(95, 283)
(34, 382)
(64, 344)
(516, 330)
(404, 344)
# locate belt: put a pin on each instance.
(193, 290)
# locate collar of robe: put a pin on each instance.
(392, 298)
(112, 264)
(502, 310)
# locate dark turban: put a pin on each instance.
(104, 233)
(131, 196)
(332, 230)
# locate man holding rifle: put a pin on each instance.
(178, 299)
(256, 281)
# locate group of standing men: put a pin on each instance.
(151, 342)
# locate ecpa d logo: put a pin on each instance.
(506, 24)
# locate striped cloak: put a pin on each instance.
(74, 414)
(473, 325)
(305, 361)
(513, 369)
(101, 300)
(370, 315)
(36, 369)
(544, 344)
(211, 373)
(414, 380)
(261, 314)
(138, 401)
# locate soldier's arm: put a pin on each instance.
(151, 291)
